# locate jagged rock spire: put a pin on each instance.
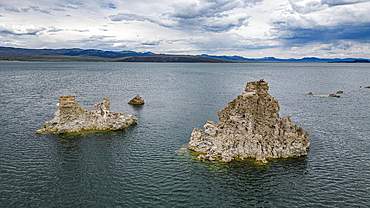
(250, 126)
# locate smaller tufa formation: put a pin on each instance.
(250, 126)
(137, 100)
(70, 117)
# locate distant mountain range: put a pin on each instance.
(273, 59)
(92, 55)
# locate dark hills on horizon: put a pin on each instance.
(92, 55)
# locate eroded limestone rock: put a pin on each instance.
(137, 100)
(71, 117)
(250, 126)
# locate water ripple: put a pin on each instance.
(147, 165)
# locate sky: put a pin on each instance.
(248, 28)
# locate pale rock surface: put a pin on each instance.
(250, 126)
(70, 117)
(137, 100)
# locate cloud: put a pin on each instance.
(38, 9)
(79, 30)
(25, 9)
(104, 42)
(306, 8)
(70, 5)
(58, 9)
(96, 39)
(129, 17)
(20, 30)
(109, 6)
(202, 16)
(329, 25)
(12, 9)
(35, 9)
(341, 2)
(151, 41)
(236, 27)
(54, 30)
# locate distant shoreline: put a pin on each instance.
(355, 61)
(92, 55)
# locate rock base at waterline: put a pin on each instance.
(70, 117)
(250, 126)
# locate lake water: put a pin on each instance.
(147, 165)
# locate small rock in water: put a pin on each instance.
(340, 92)
(137, 100)
(250, 126)
(333, 95)
(310, 93)
(70, 117)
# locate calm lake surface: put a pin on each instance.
(147, 165)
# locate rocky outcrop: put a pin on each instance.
(71, 117)
(250, 126)
(137, 100)
(334, 95)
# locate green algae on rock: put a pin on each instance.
(71, 117)
(250, 126)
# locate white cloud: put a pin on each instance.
(20, 29)
(287, 28)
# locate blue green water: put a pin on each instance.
(147, 165)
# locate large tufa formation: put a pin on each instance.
(250, 126)
(70, 117)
